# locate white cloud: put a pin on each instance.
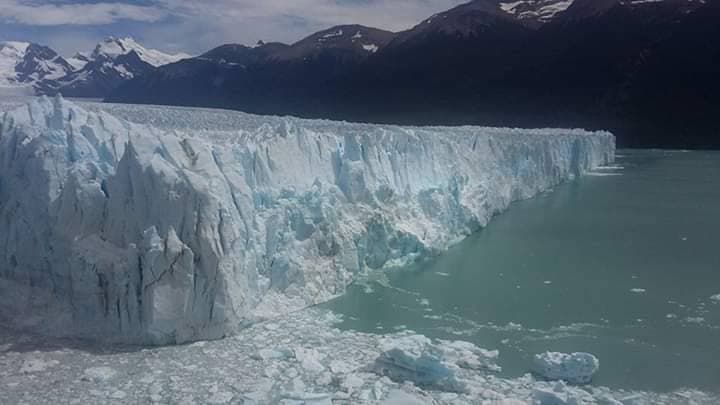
(54, 13)
(195, 26)
(388, 14)
(209, 23)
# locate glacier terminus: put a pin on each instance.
(161, 225)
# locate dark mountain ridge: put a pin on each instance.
(647, 71)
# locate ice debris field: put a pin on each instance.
(297, 359)
(160, 225)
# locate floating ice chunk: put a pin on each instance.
(437, 366)
(310, 360)
(398, 397)
(467, 355)
(638, 290)
(576, 368)
(307, 399)
(414, 358)
(119, 394)
(600, 174)
(342, 367)
(695, 319)
(221, 397)
(271, 354)
(510, 401)
(561, 394)
(352, 382)
(549, 397)
(511, 326)
(35, 365)
(99, 373)
(715, 298)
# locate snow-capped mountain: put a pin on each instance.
(112, 48)
(112, 62)
(23, 64)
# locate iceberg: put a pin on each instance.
(433, 365)
(575, 368)
(164, 225)
(414, 358)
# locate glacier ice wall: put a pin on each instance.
(176, 231)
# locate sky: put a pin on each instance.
(69, 26)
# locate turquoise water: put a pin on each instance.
(621, 264)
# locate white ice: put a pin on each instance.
(229, 371)
(575, 368)
(168, 225)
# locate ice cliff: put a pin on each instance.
(167, 233)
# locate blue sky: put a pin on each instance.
(195, 26)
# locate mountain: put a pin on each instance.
(235, 54)
(23, 64)
(344, 41)
(111, 63)
(647, 70)
(115, 47)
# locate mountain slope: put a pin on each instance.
(346, 41)
(679, 82)
(23, 64)
(584, 63)
(111, 63)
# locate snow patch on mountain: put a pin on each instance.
(540, 10)
(178, 224)
(330, 35)
(372, 48)
(11, 54)
(112, 47)
(79, 60)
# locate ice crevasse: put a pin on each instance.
(129, 230)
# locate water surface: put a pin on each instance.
(621, 264)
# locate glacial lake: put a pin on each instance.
(621, 263)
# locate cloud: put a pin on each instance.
(196, 26)
(388, 14)
(63, 13)
(209, 23)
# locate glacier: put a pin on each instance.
(167, 225)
